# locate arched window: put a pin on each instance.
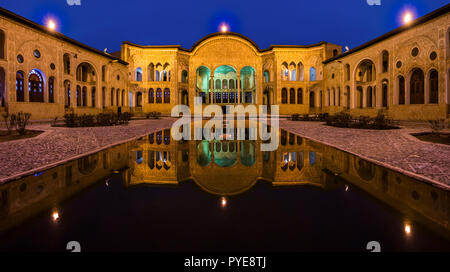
(164, 75)
(84, 97)
(434, 87)
(139, 74)
(157, 75)
(385, 61)
(112, 97)
(36, 86)
(312, 100)
(93, 100)
(292, 96)
(151, 72)
(103, 97)
(2, 44)
(401, 90)
(417, 87)
(292, 71)
(67, 93)
(347, 95)
(79, 96)
(166, 96)
(284, 96)
(312, 74)
(347, 72)
(231, 84)
(51, 90)
(335, 52)
(384, 94)
(66, 60)
(123, 98)
(300, 96)
(104, 73)
(218, 84)
(369, 97)
(158, 96)
(266, 77)
(151, 96)
(138, 99)
(284, 71)
(359, 97)
(117, 97)
(301, 71)
(20, 96)
(224, 84)
(184, 76)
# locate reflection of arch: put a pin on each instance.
(365, 169)
(203, 153)
(248, 153)
(87, 165)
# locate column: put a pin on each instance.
(211, 89)
(239, 87)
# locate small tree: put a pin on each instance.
(22, 122)
(10, 121)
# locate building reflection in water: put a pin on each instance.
(225, 168)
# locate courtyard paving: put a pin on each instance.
(58, 145)
(394, 149)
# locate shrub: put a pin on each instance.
(438, 125)
(101, 119)
(10, 121)
(345, 120)
(22, 122)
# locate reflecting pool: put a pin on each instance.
(157, 194)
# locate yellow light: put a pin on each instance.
(51, 24)
(224, 27)
(224, 202)
(408, 229)
(407, 18)
(55, 216)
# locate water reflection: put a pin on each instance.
(224, 168)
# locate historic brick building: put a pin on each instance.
(404, 72)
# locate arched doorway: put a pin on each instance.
(312, 100)
(138, 99)
(184, 98)
(36, 86)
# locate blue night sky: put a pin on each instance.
(104, 23)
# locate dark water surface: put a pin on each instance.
(156, 194)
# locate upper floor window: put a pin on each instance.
(2, 44)
(312, 74)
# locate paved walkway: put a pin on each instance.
(58, 145)
(395, 149)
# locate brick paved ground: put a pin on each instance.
(58, 145)
(395, 149)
